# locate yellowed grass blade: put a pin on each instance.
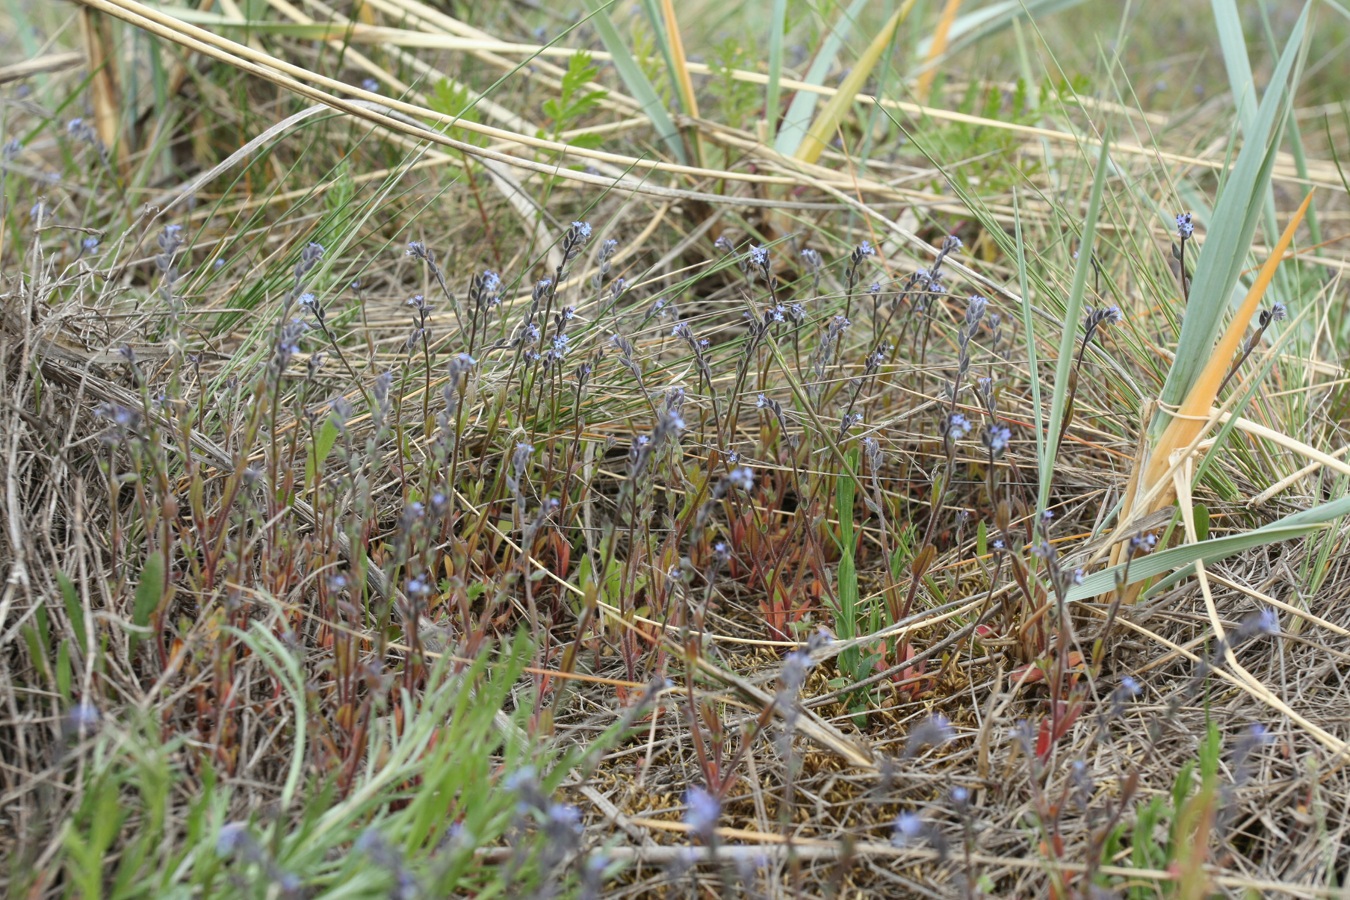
(1244, 679)
(106, 93)
(939, 46)
(1149, 487)
(681, 64)
(1194, 409)
(827, 122)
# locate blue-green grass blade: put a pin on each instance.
(1073, 310)
(1028, 325)
(635, 80)
(802, 111)
(979, 24)
(1167, 561)
(1224, 252)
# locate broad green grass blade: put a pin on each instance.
(1165, 561)
(1236, 62)
(825, 125)
(980, 24)
(1073, 311)
(1224, 253)
(802, 110)
(635, 80)
(1028, 327)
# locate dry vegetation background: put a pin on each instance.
(653, 449)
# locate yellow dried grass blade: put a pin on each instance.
(681, 64)
(105, 88)
(827, 122)
(938, 47)
(1193, 413)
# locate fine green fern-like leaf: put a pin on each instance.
(575, 98)
(454, 100)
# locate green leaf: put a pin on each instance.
(71, 598)
(322, 447)
(450, 99)
(1072, 314)
(772, 91)
(633, 78)
(587, 141)
(63, 670)
(802, 111)
(1201, 513)
(575, 99)
(1029, 328)
(1223, 256)
(1165, 561)
(149, 594)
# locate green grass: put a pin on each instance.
(430, 487)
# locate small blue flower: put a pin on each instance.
(233, 836)
(1185, 226)
(703, 811)
(908, 828)
(957, 426)
(997, 439)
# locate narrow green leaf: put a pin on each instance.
(980, 24)
(1233, 44)
(318, 453)
(1201, 513)
(286, 667)
(71, 598)
(1223, 254)
(1165, 561)
(1073, 310)
(635, 80)
(1028, 329)
(149, 593)
(63, 675)
(802, 111)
